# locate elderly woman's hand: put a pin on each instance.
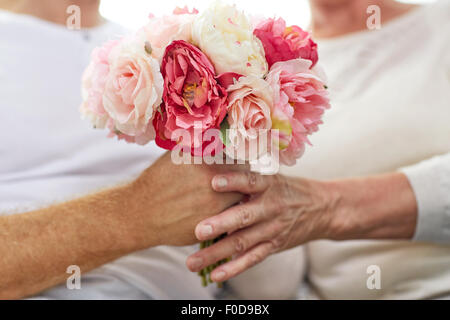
(283, 212)
(280, 213)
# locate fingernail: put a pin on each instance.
(205, 230)
(219, 275)
(220, 182)
(195, 263)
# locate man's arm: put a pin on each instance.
(161, 207)
(37, 247)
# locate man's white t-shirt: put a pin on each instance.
(48, 154)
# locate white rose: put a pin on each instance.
(133, 89)
(161, 31)
(225, 35)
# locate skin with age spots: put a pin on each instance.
(285, 212)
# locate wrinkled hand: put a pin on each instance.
(280, 213)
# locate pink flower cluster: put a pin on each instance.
(283, 43)
(162, 84)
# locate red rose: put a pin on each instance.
(193, 98)
(283, 43)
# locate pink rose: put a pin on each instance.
(133, 91)
(300, 100)
(283, 43)
(250, 103)
(184, 10)
(161, 31)
(141, 139)
(93, 85)
(193, 98)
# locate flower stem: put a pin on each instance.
(205, 273)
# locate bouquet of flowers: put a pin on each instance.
(207, 84)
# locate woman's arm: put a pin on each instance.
(430, 181)
(286, 212)
(158, 208)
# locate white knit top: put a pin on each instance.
(390, 92)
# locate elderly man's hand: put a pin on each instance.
(172, 199)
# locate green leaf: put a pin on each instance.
(224, 126)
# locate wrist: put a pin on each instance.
(138, 213)
(316, 203)
(335, 226)
(343, 222)
(378, 207)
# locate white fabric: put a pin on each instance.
(390, 94)
(278, 277)
(430, 180)
(48, 154)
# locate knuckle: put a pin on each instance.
(254, 258)
(278, 227)
(279, 202)
(272, 205)
(252, 179)
(278, 243)
(277, 179)
(281, 184)
(245, 217)
(239, 244)
(282, 205)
